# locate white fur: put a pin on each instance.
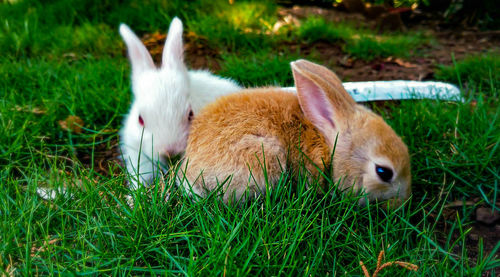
(163, 97)
(206, 87)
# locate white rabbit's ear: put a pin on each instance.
(173, 52)
(322, 98)
(138, 54)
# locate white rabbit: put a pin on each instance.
(165, 100)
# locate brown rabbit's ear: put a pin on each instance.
(322, 97)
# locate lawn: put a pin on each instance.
(64, 61)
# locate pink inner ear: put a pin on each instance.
(140, 58)
(314, 102)
(138, 54)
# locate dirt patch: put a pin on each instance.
(459, 43)
(351, 69)
(104, 159)
(488, 232)
(198, 53)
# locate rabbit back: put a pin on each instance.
(244, 141)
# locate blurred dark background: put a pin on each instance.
(484, 14)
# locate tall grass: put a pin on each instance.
(481, 70)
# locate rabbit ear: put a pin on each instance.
(173, 52)
(322, 98)
(138, 54)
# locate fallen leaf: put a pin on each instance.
(36, 250)
(38, 111)
(72, 123)
(70, 56)
(487, 215)
(453, 149)
(459, 203)
(400, 62)
(10, 270)
(287, 21)
(34, 110)
(346, 62)
(108, 131)
(473, 104)
(153, 39)
(194, 36)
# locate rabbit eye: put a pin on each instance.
(141, 121)
(190, 115)
(384, 173)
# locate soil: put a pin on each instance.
(106, 157)
(478, 230)
(459, 42)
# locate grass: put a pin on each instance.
(65, 58)
(360, 42)
(246, 69)
(481, 70)
(240, 27)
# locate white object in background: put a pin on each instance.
(399, 90)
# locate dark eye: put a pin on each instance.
(384, 173)
(141, 121)
(190, 115)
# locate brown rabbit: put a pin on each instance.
(242, 138)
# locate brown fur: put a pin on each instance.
(231, 134)
(228, 138)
